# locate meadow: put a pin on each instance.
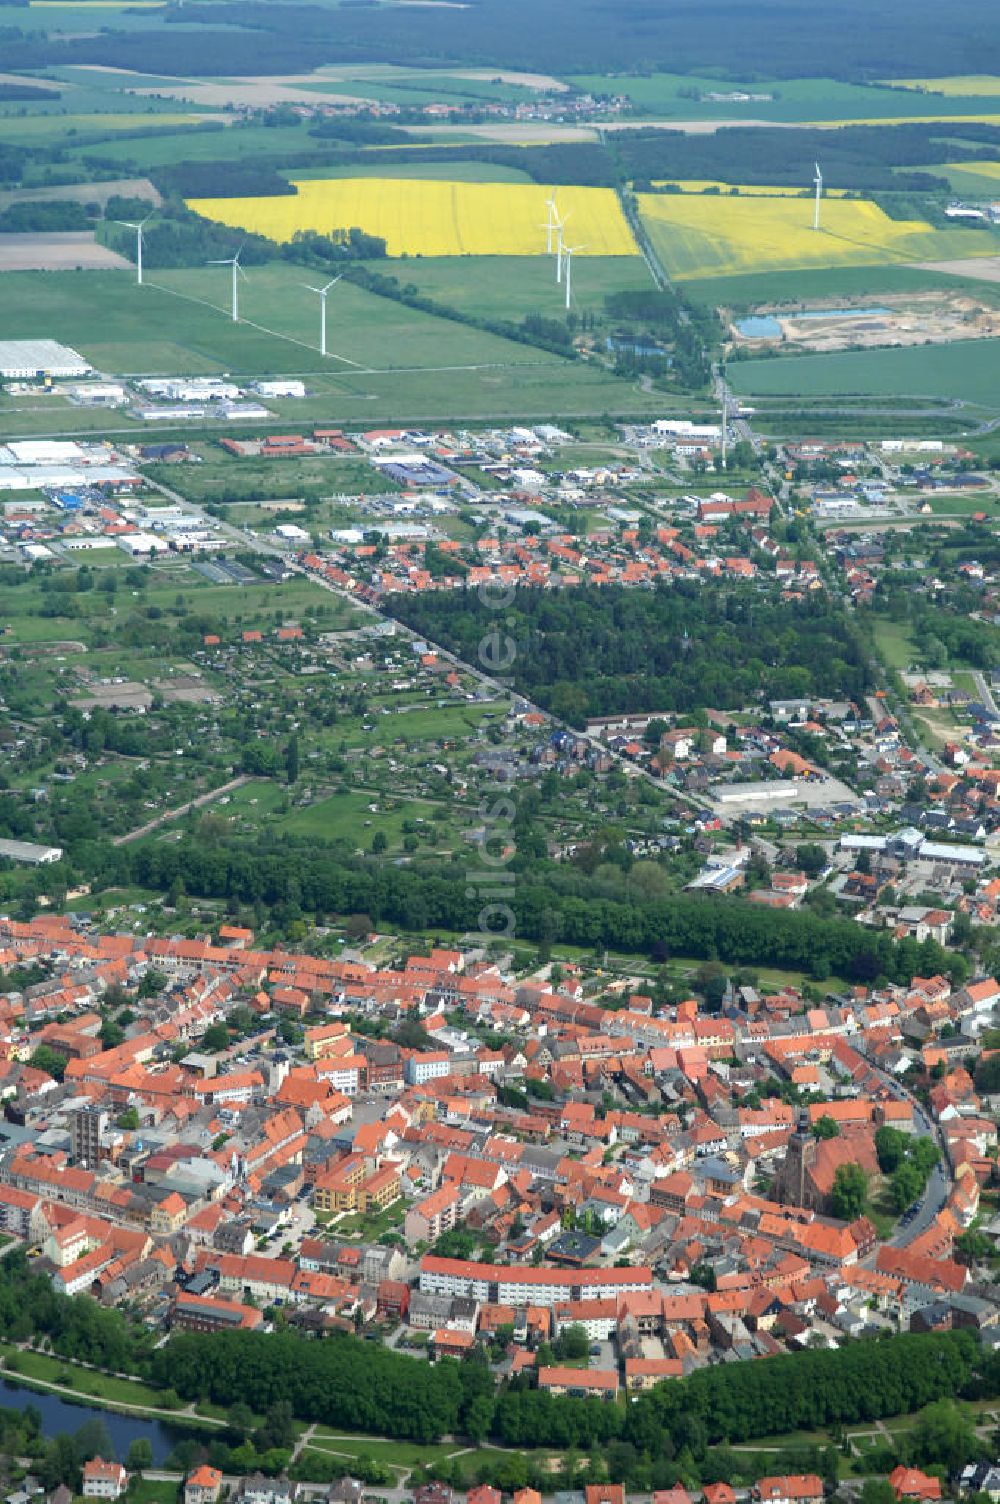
(469, 171)
(508, 287)
(718, 235)
(828, 284)
(46, 127)
(433, 218)
(965, 370)
(179, 321)
(977, 179)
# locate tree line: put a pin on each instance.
(340, 1381)
(291, 876)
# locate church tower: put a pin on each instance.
(790, 1186)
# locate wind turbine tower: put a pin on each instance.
(818, 183)
(569, 252)
(238, 272)
(562, 253)
(551, 222)
(322, 292)
(137, 226)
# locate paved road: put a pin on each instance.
(985, 693)
(498, 687)
(939, 1183)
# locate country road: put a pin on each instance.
(181, 809)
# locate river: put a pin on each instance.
(60, 1414)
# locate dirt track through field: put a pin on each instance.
(89, 193)
(65, 251)
(983, 268)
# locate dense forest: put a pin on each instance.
(601, 651)
(855, 157)
(776, 38)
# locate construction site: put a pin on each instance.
(918, 318)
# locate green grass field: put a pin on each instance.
(223, 477)
(249, 605)
(961, 506)
(965, 370)
(822, 283)
(45, 129)
(376, 166)
(96, 1386)
(205, 145)
(508, 287)
(793, 99)
(893, 641)
(349, 817)
(397, 361)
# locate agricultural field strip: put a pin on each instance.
(362, 370)
(701, 235)
(433, 217)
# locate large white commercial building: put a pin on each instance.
(21, 359)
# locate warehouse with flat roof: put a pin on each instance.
(24, 358)
(30, 852)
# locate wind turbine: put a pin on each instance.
(551, 222)
(322, 291)
(234, 262)
(818, 181)
(561, 245)
(569, 252)
(137, 226)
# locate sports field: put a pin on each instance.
(434, 218)
(708, 235)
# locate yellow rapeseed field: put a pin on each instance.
(979, 117)
(754, 190)
(698, 235)
(981, 169)
(432, 218)
(960, 86)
